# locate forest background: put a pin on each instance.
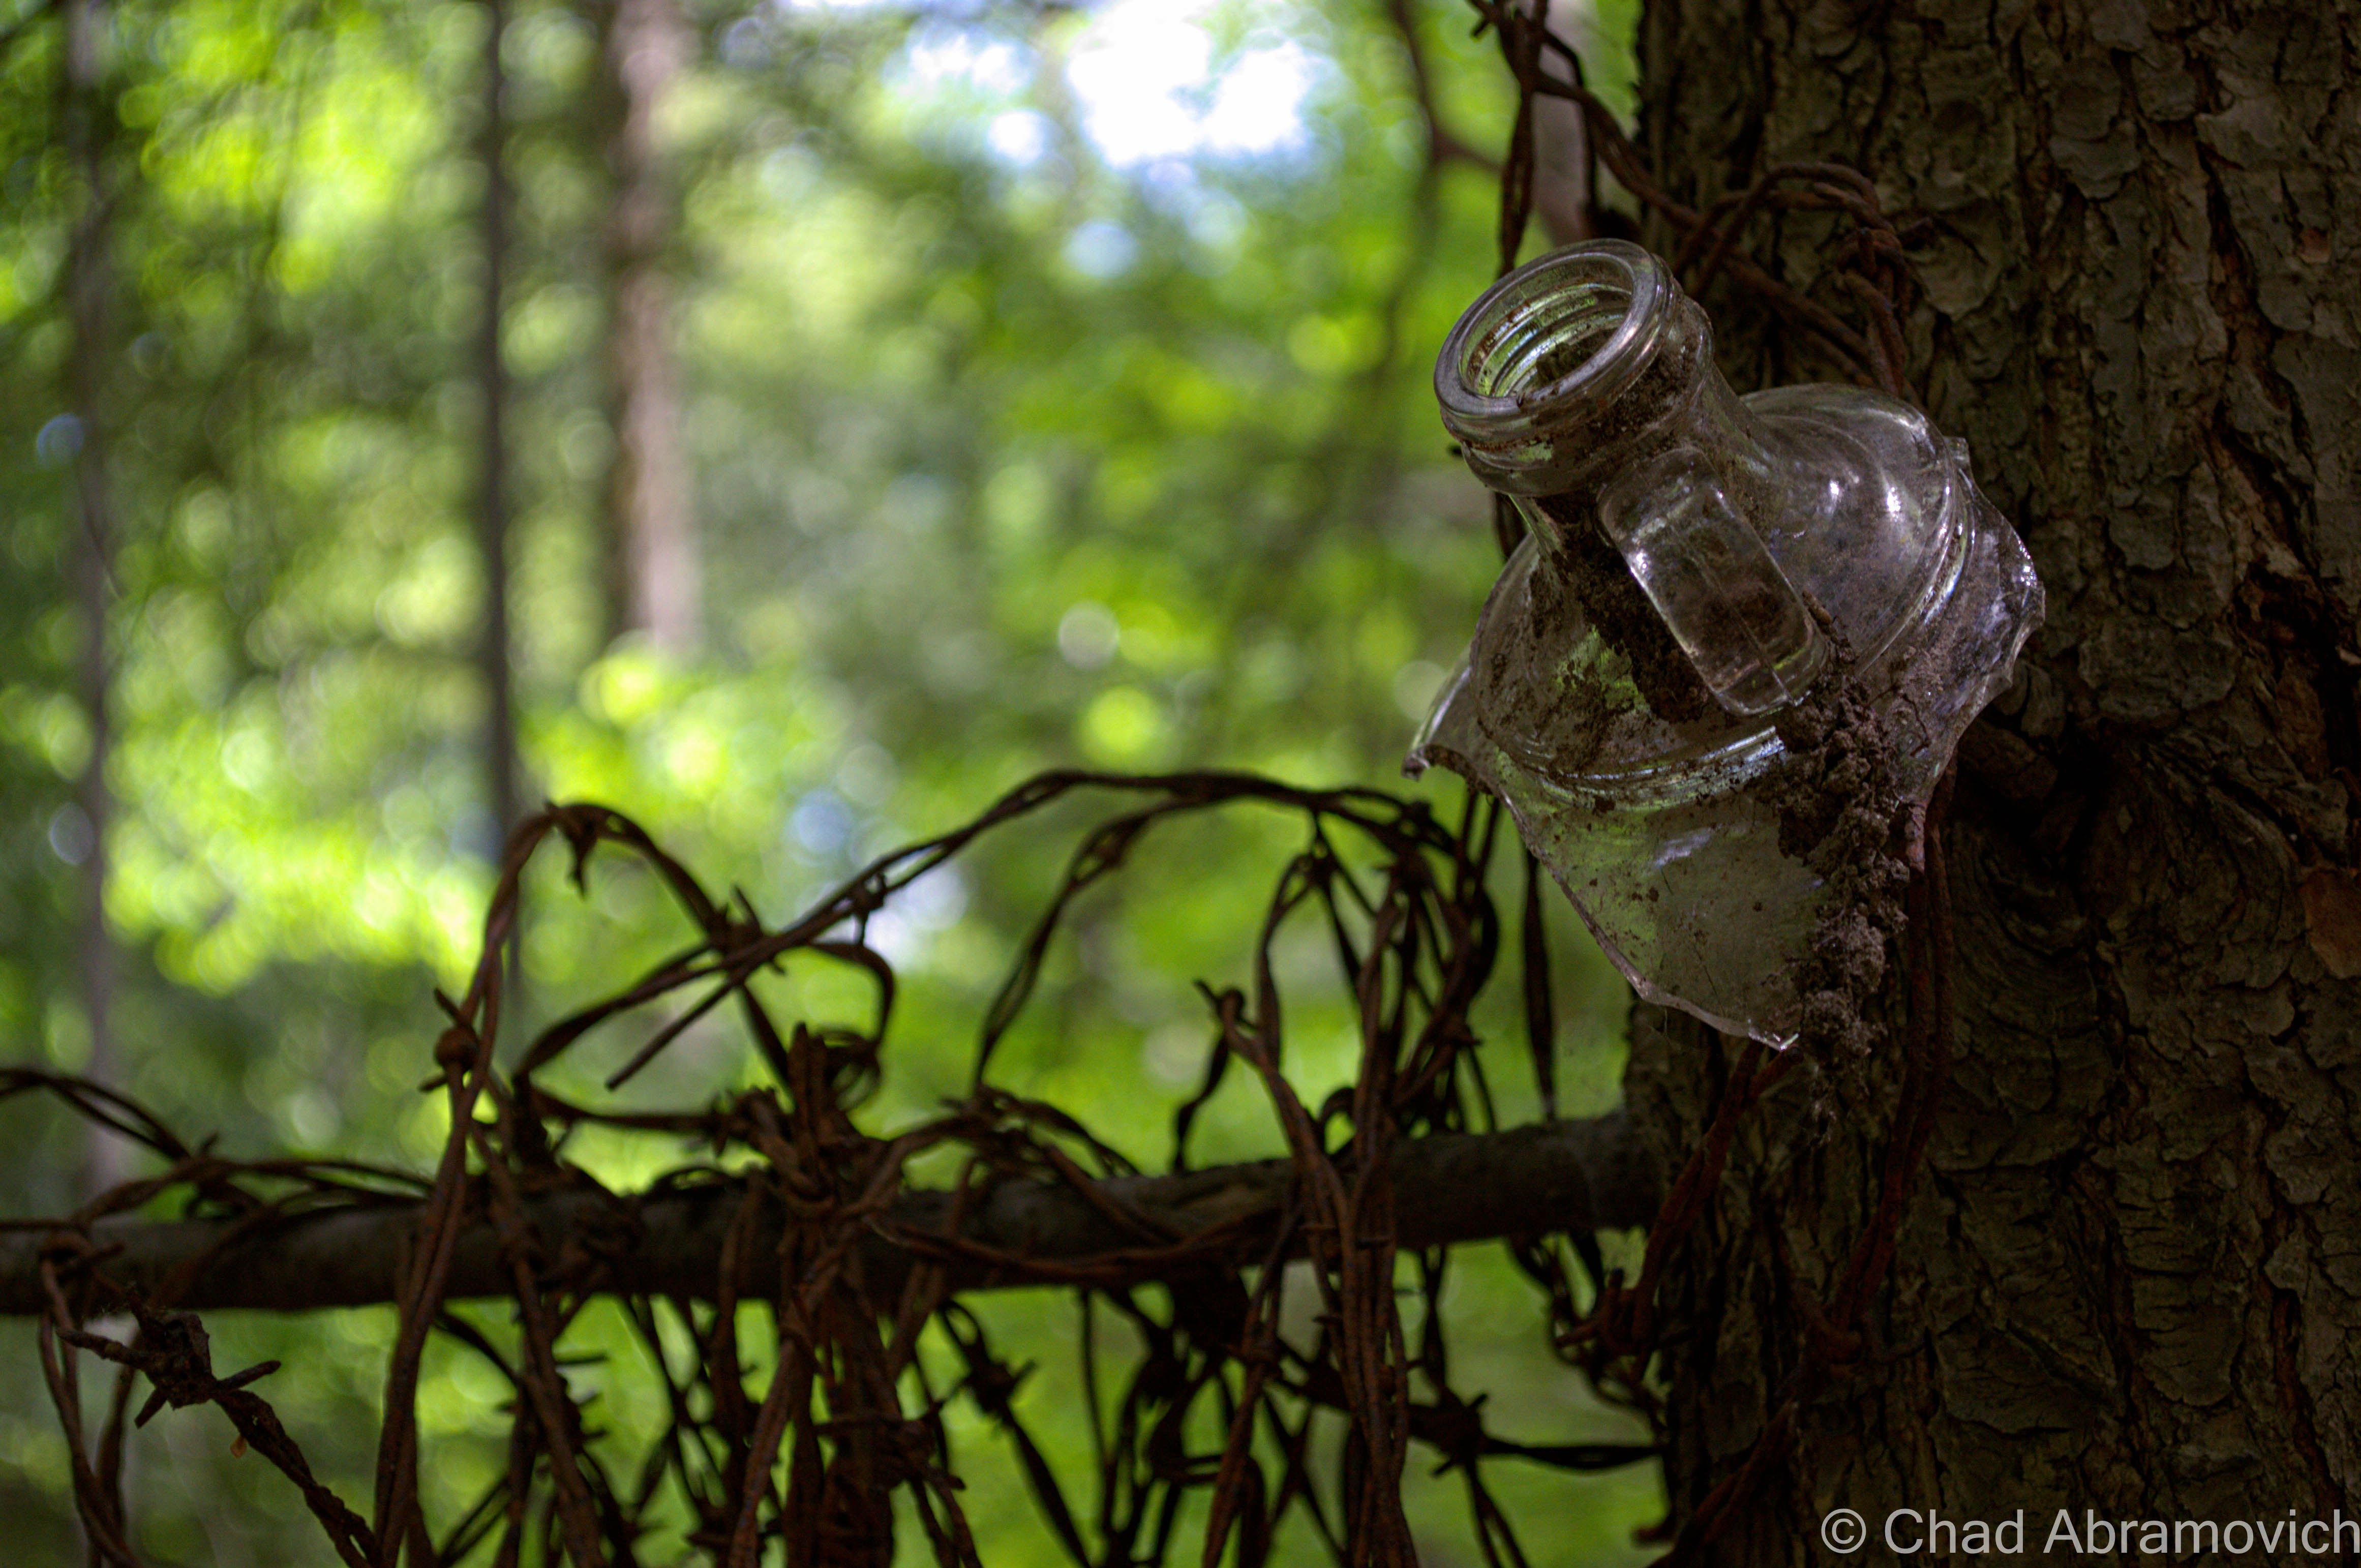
(899, 402)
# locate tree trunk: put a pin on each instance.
(656, 586)
(1562, 144)
(2126, 1276)
(495, 660)
(90, 283)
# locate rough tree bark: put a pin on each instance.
(2126, 1280)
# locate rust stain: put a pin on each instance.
(2332, 909)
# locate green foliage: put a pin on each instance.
(1007, 454)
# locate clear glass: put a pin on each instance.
(1588, 379)
(1629, 733)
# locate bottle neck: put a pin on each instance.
(1583, 366)
(1583, 386)
(1709, 430)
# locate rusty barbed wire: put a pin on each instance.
(810, 1453)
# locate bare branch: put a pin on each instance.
(1450, 1188)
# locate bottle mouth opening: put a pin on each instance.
(1552, 339)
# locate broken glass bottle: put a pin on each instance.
(1696, 563)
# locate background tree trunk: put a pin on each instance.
(90, 114)
(495, 657)
(2127, 1279)
(656, 581)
